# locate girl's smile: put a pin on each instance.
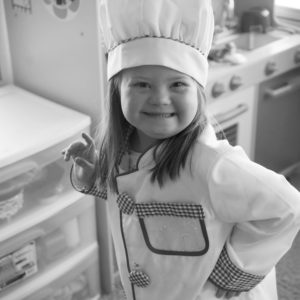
(159, 102)
(159, 115)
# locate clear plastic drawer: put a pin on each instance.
(74, 278)
(46, 193)
(33, 251)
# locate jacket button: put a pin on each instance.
(139, 278)
(125, 204)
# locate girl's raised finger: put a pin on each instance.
(73, 150)
(64, 152)
(67, 154)
(88, 139)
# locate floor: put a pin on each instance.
(288, 273)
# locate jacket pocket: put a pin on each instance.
(173, 228)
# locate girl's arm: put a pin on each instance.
(265, 209)
(91, 189)
(84, 169)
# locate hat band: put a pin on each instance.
(160, 51)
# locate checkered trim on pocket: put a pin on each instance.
(229, 277)
(139, 278)
(169, 209)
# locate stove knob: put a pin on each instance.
(270, 68)
(297, 57)
(235, 82)
(218, 89)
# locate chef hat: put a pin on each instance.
(171, 33)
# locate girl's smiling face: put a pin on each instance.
(159, 102)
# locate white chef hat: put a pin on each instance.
(171, 33)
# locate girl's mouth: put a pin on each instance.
(160, 115)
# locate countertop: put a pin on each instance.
(282, 52)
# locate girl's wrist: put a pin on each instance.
(78, 184)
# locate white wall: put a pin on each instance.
(56, 58)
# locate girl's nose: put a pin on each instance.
(160, 96)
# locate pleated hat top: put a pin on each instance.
(173, 33)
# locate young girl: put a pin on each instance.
(192, 217)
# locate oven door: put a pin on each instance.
(233, 118)
(278, 121)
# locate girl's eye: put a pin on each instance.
(179, 84)
(141, 84)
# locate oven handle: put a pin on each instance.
(284, 89)
(231, 114)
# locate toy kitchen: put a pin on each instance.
(254, 82)
(53, 245)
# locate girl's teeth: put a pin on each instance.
(161, 115)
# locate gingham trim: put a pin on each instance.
(126, 204)
(139, 278)
(169, 209)
(95, 191)
(229, 277)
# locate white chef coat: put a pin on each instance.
(225, 221)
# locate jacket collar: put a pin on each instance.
(207, 137)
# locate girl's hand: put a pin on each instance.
(84, 156)
(227, 294)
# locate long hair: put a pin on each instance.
(170, 154)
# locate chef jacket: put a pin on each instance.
(226, 222)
